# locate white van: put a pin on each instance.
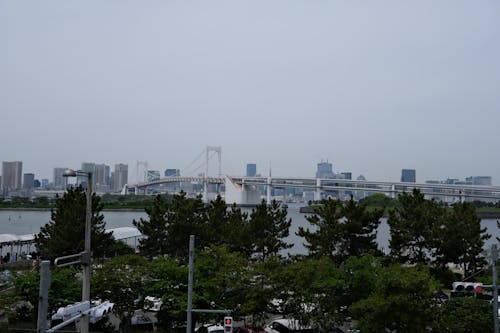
(284, 325)
(152, 303)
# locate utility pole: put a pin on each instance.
(189, 327)
(494, 259)
(43, 298)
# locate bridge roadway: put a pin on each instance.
(321, 185)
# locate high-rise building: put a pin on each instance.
(60, 182)
(87, 167)
(172, 173)
(120, 176)
(101, 178)
(251, 170)
(479, 180)
(28, 181)
(325, 170)
(12, 173)
(101, 175)
(346, 175)
(408, 176)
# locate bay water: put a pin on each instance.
(22, 222)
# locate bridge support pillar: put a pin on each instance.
(268, 191)
(393, 191)
(205, 191)
(241, 194)
(317, 193)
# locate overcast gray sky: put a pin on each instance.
(372, 86)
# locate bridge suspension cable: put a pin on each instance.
(186, 170)
(203, 163)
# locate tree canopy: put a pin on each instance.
(341, 230)
(64, 234)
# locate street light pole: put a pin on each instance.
(87, 250)
(86, 256)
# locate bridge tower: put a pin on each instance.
(218, 150)
(141, 170)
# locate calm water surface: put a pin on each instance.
(29, 222)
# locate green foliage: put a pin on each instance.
(464, 315)
(401, 301)
(167, 280)
(154, 229)
(342, 230)
(262, 289)
(378, 200)
(269, 227)
(311, 291)
(114, 201)
(186, 216)
(462, 239)
(415, 225)
(121, 281)
(65, 288)
(222, 279)
(64, 234)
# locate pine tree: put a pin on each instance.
(64, 234)
(153, 242)
(415, 224)
(269, 227)
(342, 230)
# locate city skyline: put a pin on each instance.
(373, 87)
(324, 169)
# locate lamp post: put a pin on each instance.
(86, 256)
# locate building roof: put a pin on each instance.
(118, 233)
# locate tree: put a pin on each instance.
(464, 315)
(222, 278)
(121, 281)
(64, 234)
(342, 230)
(401, 302)
(185, 217)
(154, 240)
(65, 288)
(228, 226)
(415, 225)
(269, 227)
(462, 239)
(167, 280)
(310, 291)
(328, 230)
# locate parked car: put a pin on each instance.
(152, 303)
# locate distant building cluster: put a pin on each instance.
(107, 180)
(14, 183)
(472, 180)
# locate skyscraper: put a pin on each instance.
(87, 167)
(251, 170)
(28, 181)
(120, 176)
(325, 170)
(12, 173)
(60, 182)
(101, 174)
(408, 176)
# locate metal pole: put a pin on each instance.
(189, 327)
(494, 259)
(43, 298)
(86, 266)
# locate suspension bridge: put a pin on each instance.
(251, 190)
